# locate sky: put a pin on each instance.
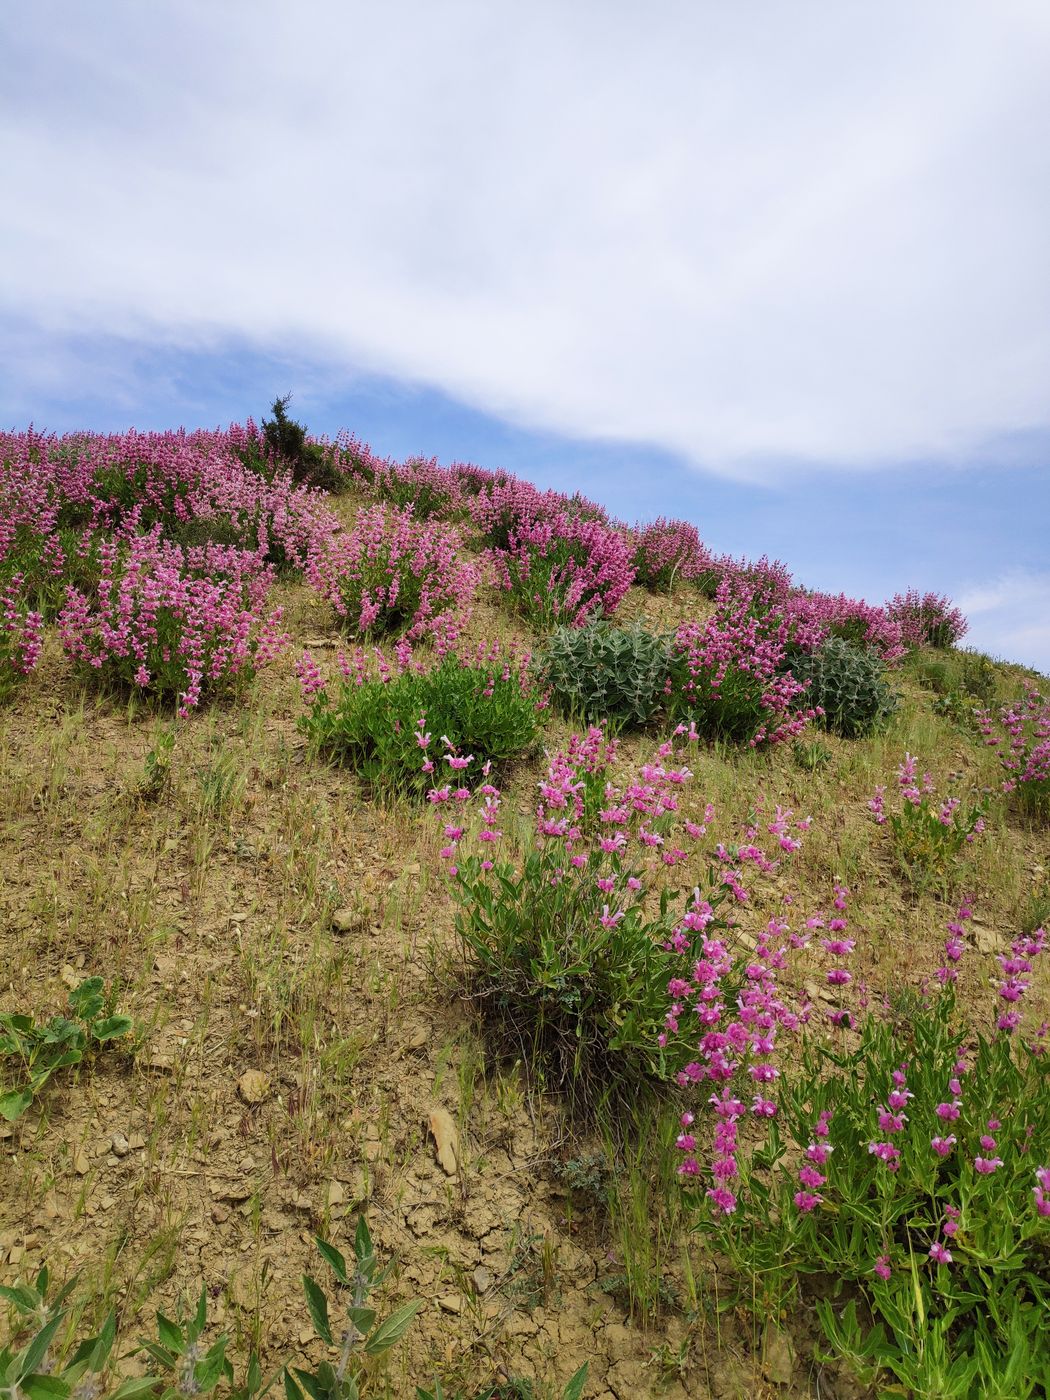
(779, 269)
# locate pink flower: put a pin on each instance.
(986, 1165)
(943, 1145)
(881, 1267)
(939, 1254)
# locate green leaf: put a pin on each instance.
(292, 1389)
(135, 1388)
(37, 1387)
(14, 1103)
(169, 1334)
(318, 1305)
(392, 1329)
(574, 1388)
(37, 1348)
(112, 1027)
(335, 1259)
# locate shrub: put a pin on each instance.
(600, 672)
(21, 636)
(1025, 754)
(179, 623)
(848, 684)
(928, 835)
(394, 574)
(388, 726)
(565, 951)
(285, 444)
(927, 620)
(729, 674)
(907, 1162)
(564, 569)
(851, 619)
(665, 551)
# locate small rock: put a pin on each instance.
(246, 1164)
(482, 1278)
(253, 1086)
(450, 1303)
(136, 1142)
(220, 1213)
(346, 920)
(81, 1165)
(336, 1193)
(121, 1146)
(446, 1140)
(70, 976)
(778, 1361)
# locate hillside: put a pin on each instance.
(218, 648)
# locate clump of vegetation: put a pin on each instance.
(929, 835)
(927, 619)
(604, 673)
(407, 733)
(564, 953)
(848, 683)
(287, 448)
(32, 1051)
(903, 1164)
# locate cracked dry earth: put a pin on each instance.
(301, 1056)
(293, 1067)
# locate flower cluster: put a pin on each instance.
(1024, 744)
(395, 574)
(729, 673)
(173, 621)
(927, 619)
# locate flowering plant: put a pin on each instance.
(928, 835)
(730, 676)
(21, 636)
(176, 622)
(926, 619)
(395, 574)
(910, 1162)
(1025, 754)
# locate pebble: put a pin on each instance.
(121, 1146)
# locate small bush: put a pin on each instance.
(21, 636)
(393, 574)
(665, 551)
(929, 836)
(565, 951)
(908, 1161)
(391, 728)
(1024, 746)
(849, 684)
(180, 624)
(926, 620)
(602, 673)
(729, 674)
(287, 448)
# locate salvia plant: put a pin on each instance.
(31, 1051)
(729, 674)
(665, 552)
(21, 636)
(1021, 732)
(847, 684)
(400, 722)
(360, 1336)
(182, 1365)
(902, 1159)
(927, 619)
(601, 672)
(395, 575)
(569, 948)
(929, 833)
(178, 623)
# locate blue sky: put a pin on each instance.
(780, 271)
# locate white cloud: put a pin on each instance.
(1010, 616)
(744, 233)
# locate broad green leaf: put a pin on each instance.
(335, 1259)
(112, 1027)
(392, 1329)
(14, 1103)
(574, 1388)
(318, 1305)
